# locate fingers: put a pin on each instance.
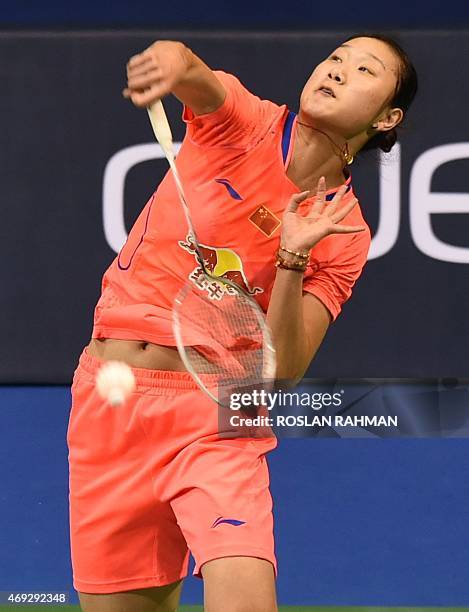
(321, 190)
(332, 206)
(343, 212)
(347, 229)
(144, 98)
(145, 80)
(137, 60)
(139, 64)
(296, 200)
(320, 199)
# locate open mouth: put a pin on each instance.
(327, 91)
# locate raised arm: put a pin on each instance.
(169, 66)
(298, 320)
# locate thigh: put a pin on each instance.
(157, 599)
(124, 536)
(239, 583)
(223, 503)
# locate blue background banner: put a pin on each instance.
(79, 162)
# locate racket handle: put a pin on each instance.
(160, 125)
(162, 131)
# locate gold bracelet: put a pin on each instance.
(299, 265)
(302, 255)
(280, 264)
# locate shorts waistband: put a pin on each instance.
(167, 379)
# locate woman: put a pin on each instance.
(152, 479)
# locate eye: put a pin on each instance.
(365, 69)
(335, 58)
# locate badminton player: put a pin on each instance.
(151, 480)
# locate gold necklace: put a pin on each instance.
(344, 154)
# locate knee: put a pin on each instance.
(239, 584)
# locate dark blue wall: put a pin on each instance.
(241, 14)
(407, 316)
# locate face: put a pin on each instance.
(351, 89)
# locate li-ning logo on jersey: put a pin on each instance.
(230, 189)
(222, 262)
(220, 520)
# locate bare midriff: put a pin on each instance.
(136, 353)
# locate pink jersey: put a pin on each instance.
(233, 165)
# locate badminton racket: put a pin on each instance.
(224, 343)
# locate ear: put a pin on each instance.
(388, 120)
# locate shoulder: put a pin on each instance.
(234, 85)
(239, 123)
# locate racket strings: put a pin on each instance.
(223, 340)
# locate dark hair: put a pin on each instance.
(406, 88)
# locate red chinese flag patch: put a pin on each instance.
(265, 220)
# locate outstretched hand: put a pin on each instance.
(301, 232)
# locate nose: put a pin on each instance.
(337, 75)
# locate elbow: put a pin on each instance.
(288, 376)
(290, 371)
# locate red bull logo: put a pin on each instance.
(222, 262)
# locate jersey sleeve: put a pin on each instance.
(240, 122)
(332, 284)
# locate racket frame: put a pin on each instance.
(162, 131)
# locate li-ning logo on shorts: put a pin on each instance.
(221, 262)
(220, 520)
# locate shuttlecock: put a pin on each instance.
(114, 382)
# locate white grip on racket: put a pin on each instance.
(162, 131)
(160, 125)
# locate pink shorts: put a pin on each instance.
(152, 479)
